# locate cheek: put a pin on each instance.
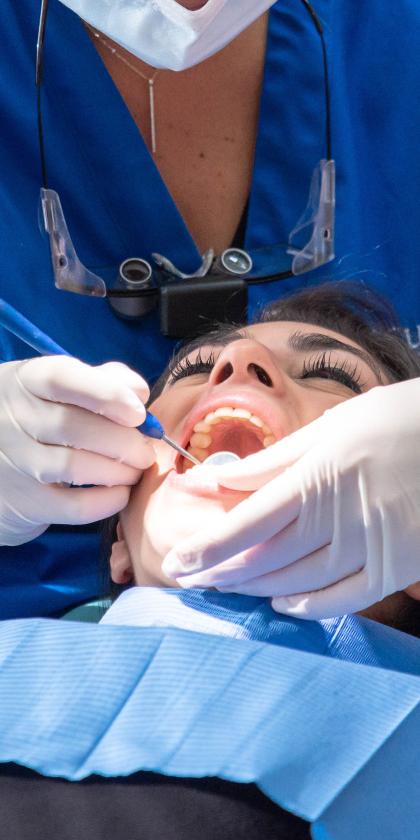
(173, 517)
(132, 517)
(135, 516)
(158, 518)
(173, 405)
(144, 527)
(316, 402)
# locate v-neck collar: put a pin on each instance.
(117, 173)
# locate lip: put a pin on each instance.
(197, 484)
(248, 400)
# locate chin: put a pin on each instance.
(165, 510)
(170, 518)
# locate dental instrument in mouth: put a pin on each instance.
(153, 429)
(219, 458)
(14, 322)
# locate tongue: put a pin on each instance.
(238, 438)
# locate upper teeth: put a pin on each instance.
(201, 438)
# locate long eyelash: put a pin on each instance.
(343, 371)
(185, 367)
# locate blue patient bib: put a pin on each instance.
(334, 741)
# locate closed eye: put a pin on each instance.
(322, 367)
(185, 367)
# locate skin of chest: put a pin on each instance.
(206, 128)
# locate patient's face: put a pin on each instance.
(259, 386)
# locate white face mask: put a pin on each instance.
(165, 34)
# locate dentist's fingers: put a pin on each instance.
(57, 464)
(59, 506)
(256, 470)
(349, 595)
(254, 571)
(302, 556)
(79, 506)
(65, 422)
(313, 572)
(112, 389)
(253, 521)
(233, 574)
(77, 428)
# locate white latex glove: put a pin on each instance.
(52, 431)
(334, 523)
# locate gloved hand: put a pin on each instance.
(64, 421)
(334, 523)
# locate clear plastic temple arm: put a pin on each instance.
(320, 217)
(69, 273)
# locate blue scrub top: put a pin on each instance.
(117, 206)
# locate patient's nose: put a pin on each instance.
(246, 362)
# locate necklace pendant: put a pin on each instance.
(138, 72)
(152, 114)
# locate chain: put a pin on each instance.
(149, 79)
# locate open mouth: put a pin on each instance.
(226, 429)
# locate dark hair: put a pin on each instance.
(357, 312)
(350, 308)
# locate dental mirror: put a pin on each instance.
(219, 458)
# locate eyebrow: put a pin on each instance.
(301, 342)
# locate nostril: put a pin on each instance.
(262, 376)
(225, 372)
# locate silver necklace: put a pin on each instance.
(150, 81)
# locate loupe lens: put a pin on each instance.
(135, 272)
(236, 261)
